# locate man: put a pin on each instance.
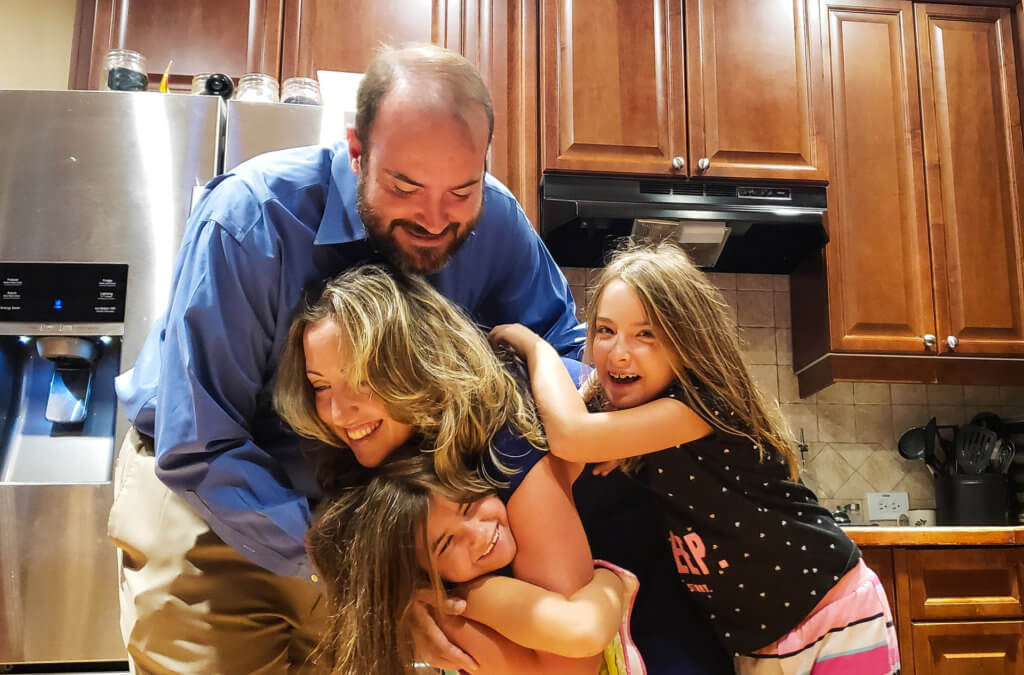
(211, 495)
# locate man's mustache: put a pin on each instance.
(420, 231)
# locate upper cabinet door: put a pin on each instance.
(230, 36)
(879, 265)
(612, 86)
(754, 92)
(974, 167)
(331, 35)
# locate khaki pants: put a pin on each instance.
(191, 604)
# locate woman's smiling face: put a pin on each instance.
(361, 421)
(466, 541)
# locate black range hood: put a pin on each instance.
(767, 228)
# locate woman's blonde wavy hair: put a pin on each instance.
(420, 354)
(693, 322)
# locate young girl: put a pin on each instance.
(781, 583)
(398, 533)
(379, 362)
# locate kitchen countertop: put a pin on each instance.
(936, 536)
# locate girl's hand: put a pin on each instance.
(605, 468)
(515, 335)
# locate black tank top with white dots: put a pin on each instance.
(755, 549)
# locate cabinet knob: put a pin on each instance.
(678, 163)
(952, 342)
(930, 340)
(704, 164)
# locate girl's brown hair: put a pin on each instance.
(364, 546)
(421, 355)
(692, 320)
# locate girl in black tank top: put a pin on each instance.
(671, 400)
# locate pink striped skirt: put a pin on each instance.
(850, 631)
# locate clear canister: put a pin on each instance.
(124, 70)
(304, 90)
(199, 82)
(257, 87)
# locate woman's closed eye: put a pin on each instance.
(604, 330)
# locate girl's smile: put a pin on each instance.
(632, 364)
(466, 541)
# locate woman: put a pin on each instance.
(379, 361)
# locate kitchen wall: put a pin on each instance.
(35, 43)
(851, 428)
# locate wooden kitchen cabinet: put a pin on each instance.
(231, 36)
(959, 609)
(754, 91)
(955, 593)
(287, 38)
(619, 95)
(992, 648)
(612, 84)
(925, 251)
(974, 164)
(331, 35)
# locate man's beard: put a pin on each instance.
(411, 259)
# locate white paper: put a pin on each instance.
(338, 91)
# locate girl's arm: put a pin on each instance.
(577, 435)
(576, 626)
(497, 655)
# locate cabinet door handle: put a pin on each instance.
(704, 164)
(952, 342)
(678, 163)
(930, 340)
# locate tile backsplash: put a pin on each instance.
(850, 428)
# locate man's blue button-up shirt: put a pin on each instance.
(203, 380)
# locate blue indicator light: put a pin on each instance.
(24, 339)
(58, 304)
(106, 340)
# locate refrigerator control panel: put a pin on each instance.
(62, 292)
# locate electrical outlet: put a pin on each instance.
(887, 505)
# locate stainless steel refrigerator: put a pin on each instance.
(95, 189)
(94, 192)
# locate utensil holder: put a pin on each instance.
(964, 499)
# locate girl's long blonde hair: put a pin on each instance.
(693, 321)
(421, 355)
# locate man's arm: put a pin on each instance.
(215, 359)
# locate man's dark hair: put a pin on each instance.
(442, 73)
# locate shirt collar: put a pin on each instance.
(341, 223)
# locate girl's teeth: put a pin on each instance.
(494, 540)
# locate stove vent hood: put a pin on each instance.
(727, 227)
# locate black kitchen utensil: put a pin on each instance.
(1002, 456)
(931, 432)
(912, 443)
(973, 447)
(944, 454)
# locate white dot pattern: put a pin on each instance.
(767, 546)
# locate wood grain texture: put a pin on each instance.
(974, 165)
(754, 93)
(879, 262)
(612, 86)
